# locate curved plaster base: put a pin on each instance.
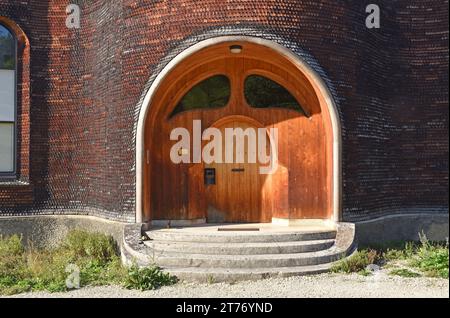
(403, 227)
(48, 231)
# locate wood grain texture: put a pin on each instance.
(301, 186)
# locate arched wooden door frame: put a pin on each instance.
(328, 107)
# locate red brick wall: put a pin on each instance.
(391, 87)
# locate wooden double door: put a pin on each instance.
(236, 194)
(301, 186)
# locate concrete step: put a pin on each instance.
(210, 256)
(169, 259)
(217, 275)
(173, 235)
(130, 257)
(240, 248)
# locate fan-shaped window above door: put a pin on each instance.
(213, 92)
(262, 92)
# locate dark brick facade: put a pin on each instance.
(390, 84)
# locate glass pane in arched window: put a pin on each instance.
(261, 92)
(7, 100)
(213, 92)
(7, 49)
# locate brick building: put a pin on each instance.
(77, 102)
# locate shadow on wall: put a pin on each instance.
(35, 26)
(40, 99)
(404, 227)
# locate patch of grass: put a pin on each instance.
(80, 244)
(394, 250)
(148, 278)
(13, 269)
(95, 255)
(406, 252)
(365, 272)
(431, 258)
(356, 262)
(404, 272)
(210, 280)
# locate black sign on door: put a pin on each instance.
(210, 176)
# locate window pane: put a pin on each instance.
(6, 147)
(7, 49)
(261, 92)
(7, 92)
(213, 92)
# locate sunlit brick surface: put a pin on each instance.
(390, 85)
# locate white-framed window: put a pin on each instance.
(8, 62)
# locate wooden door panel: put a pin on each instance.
(299, 189)
(196, 192)
(237, 194)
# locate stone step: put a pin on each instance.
(172, 235)
(129, 258)
(169, 259)
(186, 255)
(217, 275)
(240, 248)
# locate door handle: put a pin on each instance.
(238, 170)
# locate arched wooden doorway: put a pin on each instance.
(239, 190)
(302, 186)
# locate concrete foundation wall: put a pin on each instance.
(404, 227)
(48, 231)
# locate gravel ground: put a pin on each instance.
(326, 285)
